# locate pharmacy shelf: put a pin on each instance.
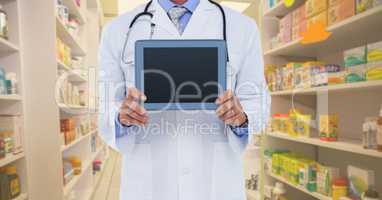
(75, 10)
(302, 189)
(97, 152)
(74, 76)
(69, 186)
(21, 197)
(11, 97)
(347, 145)
(280, 10)
(77, 107)
(69, 39)
(94, 4)
(340, 87)
(77, 141)
(7, 47)
(11, 158)
(358, 30)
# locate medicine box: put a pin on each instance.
(347, 9)
(359, 180)
(356, 56)
(363, 5)
(298, 15)
(341, 11)
(13, 124)
(319, 18)
(333, 2)
(286, 28)
(334, 14)
(314, 7)
(374, 71)
(325, 176)
(356, 73)
(298, 29)
(374, 52)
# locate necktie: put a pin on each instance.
(175, 13)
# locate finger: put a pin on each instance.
(233, 121)
(135, 94)
(231, 113)
(224, 108)
(128, 121)
(136, 107)
(136, 116)
(226, 96)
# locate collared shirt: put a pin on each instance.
(190, 5)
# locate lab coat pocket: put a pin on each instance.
(227, 178)
(137, 174)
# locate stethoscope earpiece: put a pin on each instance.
(151, 15)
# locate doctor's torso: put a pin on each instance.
(181, 155)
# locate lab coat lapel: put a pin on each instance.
(199, 20)
(161, 19)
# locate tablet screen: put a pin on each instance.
(180, 75)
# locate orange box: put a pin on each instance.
(320, 18)
(314, 7)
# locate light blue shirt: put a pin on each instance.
(191, 6)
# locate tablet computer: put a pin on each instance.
(180, 74)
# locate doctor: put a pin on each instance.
(175, 155)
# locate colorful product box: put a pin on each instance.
(298, 15)
(374, 71)
(319, 18)
(337, 77)
(363, 5)
(298, 29)
(356, 56)
(347, 9)
(314, 7)
(328, 127)
(341, 11)
(286, 28)
(334, 14)
(359, 181)
(325, 176)
(374, 52)
(333, 2)
(356, 73)
(288, 74)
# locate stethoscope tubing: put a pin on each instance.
(147, 13)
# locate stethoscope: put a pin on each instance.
(147, 13)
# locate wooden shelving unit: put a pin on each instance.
(11, 60)
(352, 102)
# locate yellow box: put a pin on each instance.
(313, 7)
(320, 18)
(329, 127)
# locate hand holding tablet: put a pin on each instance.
(131, 112)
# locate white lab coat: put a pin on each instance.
(180, 158)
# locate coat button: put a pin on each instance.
(186, 171)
